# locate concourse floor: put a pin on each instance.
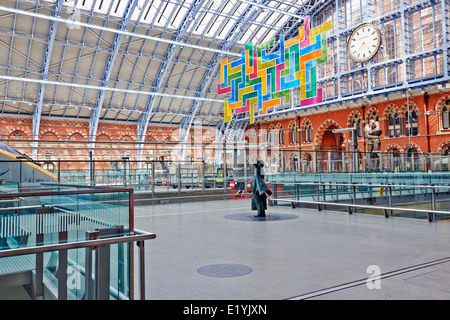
(216, 250)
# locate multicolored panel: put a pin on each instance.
(259, 80)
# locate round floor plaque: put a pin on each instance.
(224, 270)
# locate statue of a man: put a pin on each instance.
(260, 190)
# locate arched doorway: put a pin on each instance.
(330, 155)
(332, 141)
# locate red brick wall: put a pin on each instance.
(430, 139)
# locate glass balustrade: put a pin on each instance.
(41, 221)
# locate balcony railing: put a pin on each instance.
(71, 244)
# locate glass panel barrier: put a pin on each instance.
(43, 219)
(420, 201)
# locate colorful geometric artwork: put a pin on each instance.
(259, 79)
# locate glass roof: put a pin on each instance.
(215, 18)
(163, 67)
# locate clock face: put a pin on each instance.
(364, 42)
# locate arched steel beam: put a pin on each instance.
(118, 31)
(45, 65)
(166, 63)
(209, 76)
(95, 115)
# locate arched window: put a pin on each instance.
(17, 135)
(411, 123)
(280, 138)
(293, 134)
(394, 159)
(47, 165)
(262, 137)
(394, 125)
(446, 150)
(412, 158)
(270, 139)
(446, 115)
(307, 132)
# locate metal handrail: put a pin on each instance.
(67, 192)
(429, 186)
(137, 236)
(387, 209)
(350, 205)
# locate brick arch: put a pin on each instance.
(390, 107)
(72, 132)
(351, 115)
(370, 111)
(392, 146)
(305, 121)
(26, 133)
(409, 145)
(49, 131)
(125, 135)
(292, 124)
(321, 131)
(440, 102)
(404, 107)
(101, 135)
(440, 148)
(75, 135)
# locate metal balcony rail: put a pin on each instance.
(321, 193)
(99, 221)
(91, 246)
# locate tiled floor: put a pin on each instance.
(314, 255)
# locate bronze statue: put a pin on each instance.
(372, 132)
(260, 190)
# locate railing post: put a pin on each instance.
(124, 159)
(153, 181)
(140, 244)
(203, 174)
(324, 192)
(179, 179)
(390, 199)
(90, 287)
(62, 260)
(354, 197)
(433, 203)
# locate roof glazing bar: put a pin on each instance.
(260, 5)
(56, 83)
(123, 32)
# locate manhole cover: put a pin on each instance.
(269, 217)
(224, 270)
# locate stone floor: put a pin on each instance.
(216, 250)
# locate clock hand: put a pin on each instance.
(359, 48)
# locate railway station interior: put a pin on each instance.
(224, 150)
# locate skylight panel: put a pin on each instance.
(258, 37)
(246, 37)
(152, 11)
(140, 7)
(102, 6)
(178, 16)
(200, 28)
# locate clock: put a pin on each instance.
(364, 42)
